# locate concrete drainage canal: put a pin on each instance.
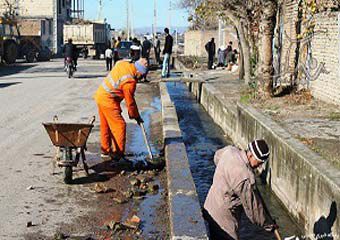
(202, 137)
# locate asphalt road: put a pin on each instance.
(29, 95)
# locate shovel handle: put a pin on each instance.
(277, 234)
(92, 120)
(146, 141)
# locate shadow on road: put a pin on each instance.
(13, 69)
(89, 76)
(4, 85)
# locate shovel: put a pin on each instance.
(146, 141)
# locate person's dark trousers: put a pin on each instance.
(108, 64)
(210, 61)
(157, 55)
(216, 232)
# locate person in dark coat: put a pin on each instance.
(167, 51)
(157, 48)
(210, 47)
(146, 48)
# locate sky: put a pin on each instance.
(142, 13)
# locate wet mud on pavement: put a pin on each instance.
(116, 201)
(202, 138)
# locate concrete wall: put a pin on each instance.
(305, 182)
(194, 41)
(186, 220)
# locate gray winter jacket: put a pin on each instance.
(233, 187)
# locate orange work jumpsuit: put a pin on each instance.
(117, 86)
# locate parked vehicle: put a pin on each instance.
(124, 50)
(9, 39)
(88, 35)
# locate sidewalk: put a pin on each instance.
(315, 123)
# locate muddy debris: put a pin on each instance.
(101, 188)
(29, 224)
(133, 222)
(119, 200)
(135, 182)
(30, 187)
(153, 188)
(144, 179)
(130, 224)
(60, 236)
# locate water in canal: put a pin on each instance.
(202, 138)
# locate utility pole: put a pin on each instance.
(55, 26)
(169, 20)
(154, 18)
(100, 10)
(132, 33)
(128, 19)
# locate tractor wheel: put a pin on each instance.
(68, 175)
(10, 52)
(30, 57)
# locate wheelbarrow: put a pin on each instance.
(69, 139)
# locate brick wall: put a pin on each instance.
(325, 49)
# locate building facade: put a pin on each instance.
(48, 15)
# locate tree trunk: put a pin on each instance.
(265, 67)
(245, 50)
(241, 71)
(244, 46)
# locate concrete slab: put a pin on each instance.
(186, 220)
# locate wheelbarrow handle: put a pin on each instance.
(92, 120)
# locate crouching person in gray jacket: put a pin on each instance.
(233, 188)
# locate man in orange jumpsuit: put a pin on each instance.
(119, 84)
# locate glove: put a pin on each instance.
(270, 227)
(139, 120)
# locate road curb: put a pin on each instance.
(186, 221)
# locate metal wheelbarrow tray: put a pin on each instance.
(69, 138)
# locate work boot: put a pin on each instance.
(106, 156)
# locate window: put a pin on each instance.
(43, 27)
(59, 7)
(63, 3)
(50, 27)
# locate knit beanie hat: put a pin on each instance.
(259, 149)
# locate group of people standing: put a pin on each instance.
(226, 56)
(140, 49)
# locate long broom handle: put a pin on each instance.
(276, 232)
(146, 141)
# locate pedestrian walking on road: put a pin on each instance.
(234, 190)
(109, 57)
(120, 84)
(210, 47)
(167, 51)
(157, 49)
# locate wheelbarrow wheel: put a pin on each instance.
(68, 175)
